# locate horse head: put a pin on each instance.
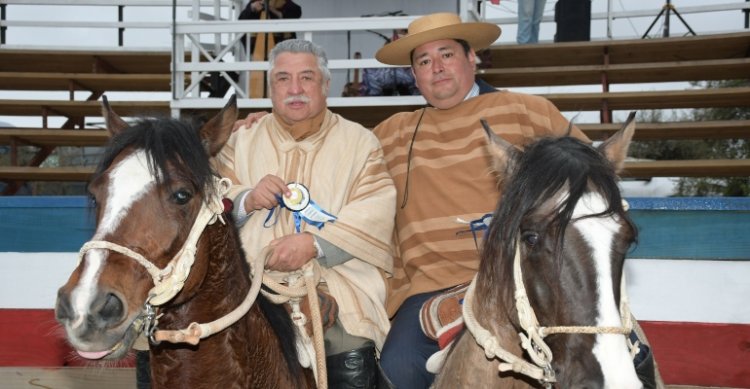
(154, 179)
(553, 258)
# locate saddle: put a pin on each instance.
(441, 318)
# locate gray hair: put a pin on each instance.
(300, 46)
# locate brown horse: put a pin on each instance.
(146, 267)
(549, 282)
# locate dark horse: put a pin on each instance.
(154, 182)
(551, 270)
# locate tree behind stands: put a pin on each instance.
(702, 149)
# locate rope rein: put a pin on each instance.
(532, 335)
(303, 283)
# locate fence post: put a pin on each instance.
(121, 30)
(3, 28)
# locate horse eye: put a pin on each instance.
(181, 197)
(530, 238)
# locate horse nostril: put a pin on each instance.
(63, 310)
(111, 311)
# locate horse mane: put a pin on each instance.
(544, 170)
(172, 146)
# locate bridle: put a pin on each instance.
(170, 280)
(532, 334)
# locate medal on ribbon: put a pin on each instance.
(476, 225)
(304, 208)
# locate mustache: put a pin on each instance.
(297, 99)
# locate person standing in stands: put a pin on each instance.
(276, 9)
(530, 14)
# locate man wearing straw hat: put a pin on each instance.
(442, 173)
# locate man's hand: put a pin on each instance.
(291, 252)
(249, 120)
(265, 192)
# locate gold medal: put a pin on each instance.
(298, 199)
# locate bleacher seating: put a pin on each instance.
(605, 63)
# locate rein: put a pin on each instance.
(171, 279)
(300, 284)
(533, 339)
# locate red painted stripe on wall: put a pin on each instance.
(32, 337)
(701, 354)
(697, 354)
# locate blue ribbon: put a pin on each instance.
(299, 216)
(477, 225)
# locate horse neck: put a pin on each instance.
(226, 274)
(235, 357)
(221, 288)
(467, 365)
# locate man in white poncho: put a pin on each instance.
(340, 164)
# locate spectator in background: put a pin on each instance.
(277, 9)
(216, 85)
(529, 17)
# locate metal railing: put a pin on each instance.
(224, 9)
(209, 31)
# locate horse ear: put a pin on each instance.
(114, 122)
(569, 130)
(216, 131)
(615, 149)
(503, 153)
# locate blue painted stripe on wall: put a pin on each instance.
(692, 234)
(44, 202)
(674, 228)
(45, 224)
(690, 203)
(691, 227)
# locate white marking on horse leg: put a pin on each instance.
(610, 349)
(128, 182)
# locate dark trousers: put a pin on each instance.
(142, 369)
(406, 347)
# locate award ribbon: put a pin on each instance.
(303, 208)
(476, 225)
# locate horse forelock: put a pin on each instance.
(172, 147)
(559, 170)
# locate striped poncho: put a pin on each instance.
(450, 181)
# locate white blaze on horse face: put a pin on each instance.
(129, 180)
(610, 350)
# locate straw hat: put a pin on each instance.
(434, 27)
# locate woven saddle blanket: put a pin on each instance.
(440, 316)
